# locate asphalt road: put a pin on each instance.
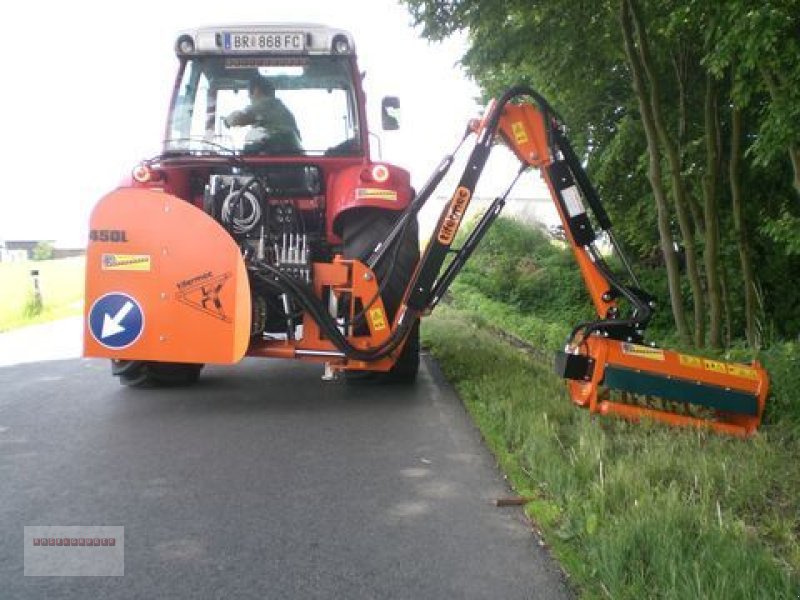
(261, 482)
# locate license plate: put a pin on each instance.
(265, 42)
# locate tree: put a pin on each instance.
(685, 112)
(42, 251)
(742, 243)
(760, 42)
(649, 108)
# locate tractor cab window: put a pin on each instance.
(267, 106)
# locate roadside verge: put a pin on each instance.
(630, 511)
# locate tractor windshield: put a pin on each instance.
(267, 106)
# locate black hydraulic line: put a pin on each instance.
(358, 318)
(416, 204)
(380, 251)
(419, 294)
(635, 325)
(640, 300)
(248, 184)
(623, 257)
(436, 178)
(472, 241)
(592, 198)
(313, 305)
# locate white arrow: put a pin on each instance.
(111, 325)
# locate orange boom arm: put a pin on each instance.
(609, 367)
(610, 370)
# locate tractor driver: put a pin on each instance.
(274, 128)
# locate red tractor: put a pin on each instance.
(266, 161)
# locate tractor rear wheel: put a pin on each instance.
(362, 230)
(144, 374)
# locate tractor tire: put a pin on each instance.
(150, 374)
(362, 229)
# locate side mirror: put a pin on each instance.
(390, 113)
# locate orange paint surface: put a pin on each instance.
(194, 295)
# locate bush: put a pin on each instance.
(782, 361)
(33, 307)
(43, 251)
(521, 280)
(526, 269)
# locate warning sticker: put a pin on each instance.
(205, 296)
(643, 351)
(376, 194)
(743, 372)
(715, 365)
(125, 262)
(458, 206)
(690, 361)
(572, 200)
(377, 318)
(518, 129)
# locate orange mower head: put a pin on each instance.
(635, 381)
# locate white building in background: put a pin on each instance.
(534, 212)
(11, 254)
(22, 250)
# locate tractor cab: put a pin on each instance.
(267, 91)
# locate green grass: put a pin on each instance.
(61, 285)
(631, 511)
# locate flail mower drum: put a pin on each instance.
(634, 381)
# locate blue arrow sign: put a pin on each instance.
(116, 320)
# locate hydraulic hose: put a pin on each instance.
(328, 325)
(419, 301)
(642, 311)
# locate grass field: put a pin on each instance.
(630, 511)
(61, 285)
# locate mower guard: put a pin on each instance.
(689, 390)
(164, 282)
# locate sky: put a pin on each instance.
(87, 85)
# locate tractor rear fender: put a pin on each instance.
(365, 186)
(164, 282)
